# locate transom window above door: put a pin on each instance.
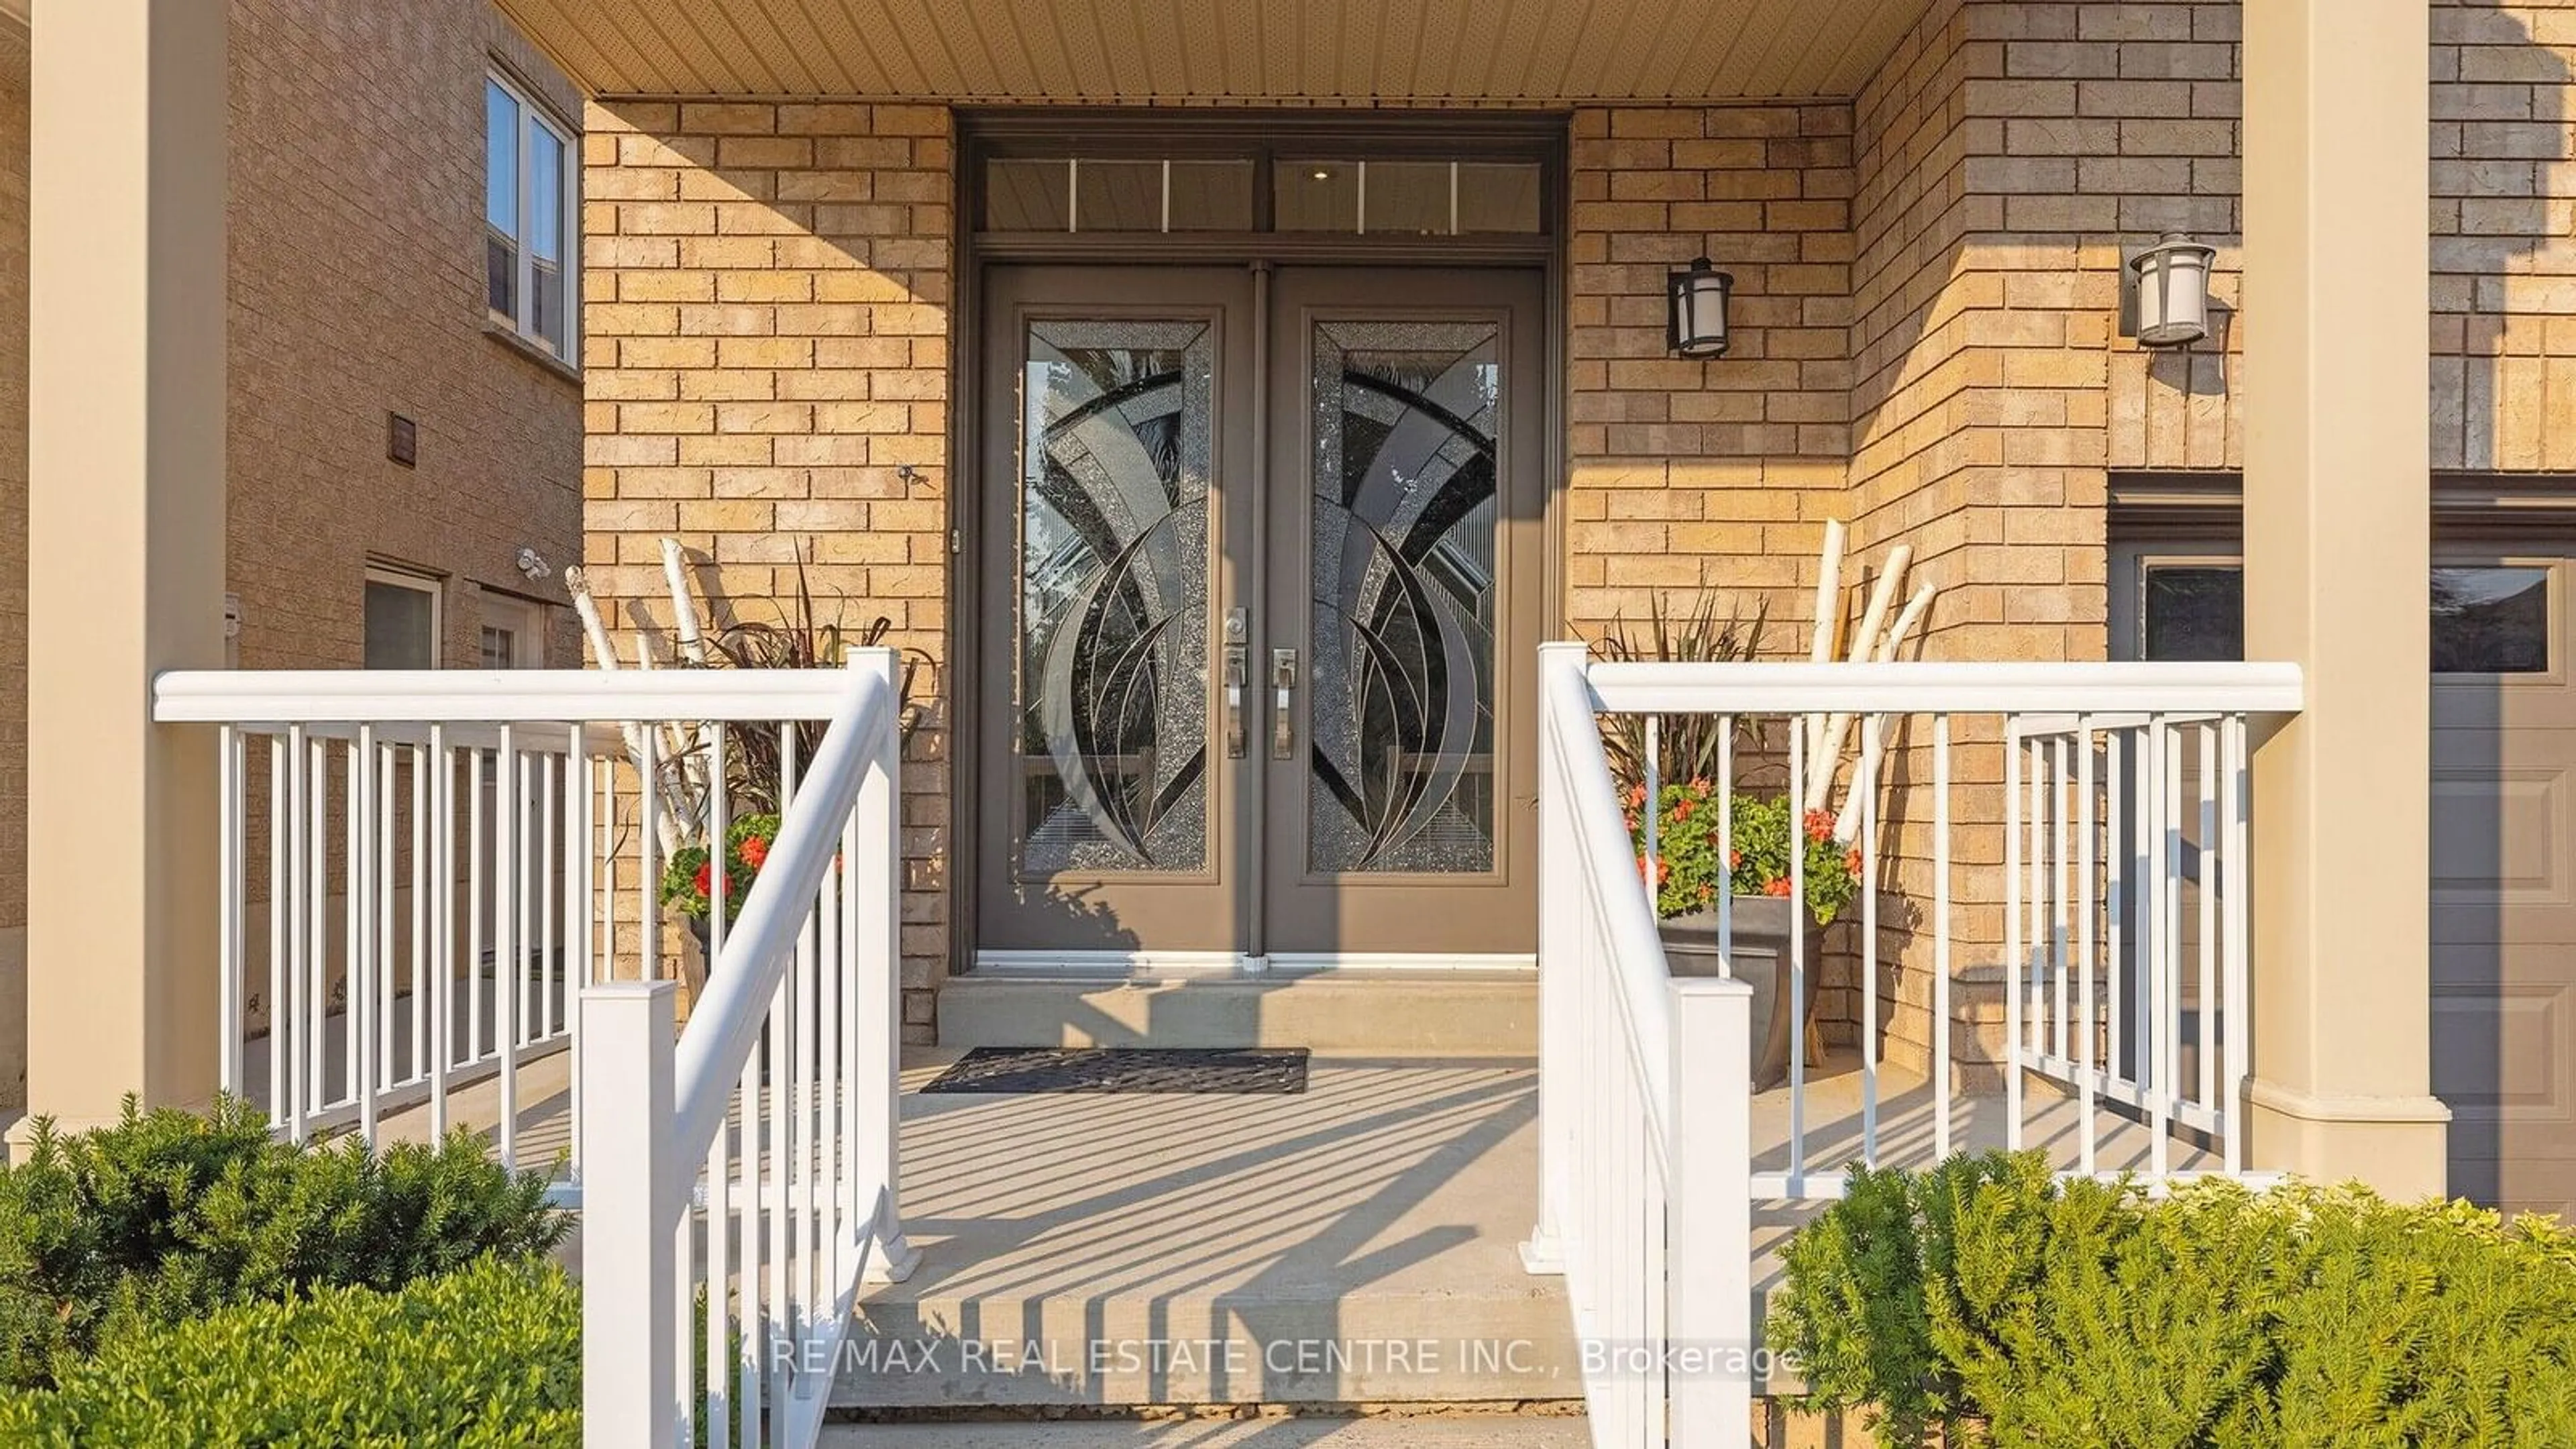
(1264, 192)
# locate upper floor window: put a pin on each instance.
(531, 192)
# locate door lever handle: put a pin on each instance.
(1283, 721)
(1237, 674)
(1234, 735)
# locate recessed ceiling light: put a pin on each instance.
(1323, 175)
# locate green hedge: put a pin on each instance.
(170, 1215)
(1985, 1297)
(488, 1357)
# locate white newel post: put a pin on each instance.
(1559, 884)
(875, 996)
(630, 1292)
(1709, 1299)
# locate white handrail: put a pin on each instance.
(1947, 688)
(508, 696)
(1637, 952)
(724, 1025)
(780, 1213)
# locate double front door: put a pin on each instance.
(1263, 578)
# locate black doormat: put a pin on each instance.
(1277, 1071)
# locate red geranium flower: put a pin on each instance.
(1734, 858)
(1851, 862)
(755, 851)
(1682, 808)
(1820, 825)
(1775, 888)
(706, 881)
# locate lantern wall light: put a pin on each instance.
(2164, 292)
(1695, 322)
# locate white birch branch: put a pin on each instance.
(1825, 762)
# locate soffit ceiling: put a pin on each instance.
(1140, 51)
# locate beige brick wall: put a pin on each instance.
(1689, 474)
(768, 321)
(357, 291)
(2504, 235)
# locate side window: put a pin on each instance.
(401, 620)
(2491, 619)
(2177, 606)
(531, 197)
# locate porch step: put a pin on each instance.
(1353, 1244)
(1348, 1012)
(1468, 1431)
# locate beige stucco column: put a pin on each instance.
(2337, 555)
(125, 547)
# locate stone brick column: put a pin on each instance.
(2338, 555)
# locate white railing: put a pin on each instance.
(1639, 1138)
(748, 1181)
(2121, 970)
(2126, 872)
(419, 870)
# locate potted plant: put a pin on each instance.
(1688, 873)
(688, 880)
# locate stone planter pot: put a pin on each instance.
(1761, 960)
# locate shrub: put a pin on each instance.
(169, 1215)
(2084, 1313)
(488, 1357)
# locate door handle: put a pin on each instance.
(1283, 721)
(1237, 675)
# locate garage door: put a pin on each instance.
(2504, 878)
(2503, 836)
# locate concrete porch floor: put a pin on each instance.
(1357, 1243)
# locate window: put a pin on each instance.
(531, 195)
(402, 620)
(2491, 620)
(2486, 618)
(1346, 195)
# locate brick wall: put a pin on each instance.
(768, 323)
(1690, 474)
(2504, 236)
(358, 290)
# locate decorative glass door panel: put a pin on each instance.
(1407, 419)
(1113, 419)
(1113, 596)
(1406, 580)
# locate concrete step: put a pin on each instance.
(1354, 1244)
(1349, 1013)
(1476, 1431)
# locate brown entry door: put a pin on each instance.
(1258, 701)
(1404, 578)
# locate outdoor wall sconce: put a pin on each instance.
(1696, 326)
(2164, 292)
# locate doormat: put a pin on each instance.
(1279, 1071)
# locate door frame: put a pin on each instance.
(1495, 135)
